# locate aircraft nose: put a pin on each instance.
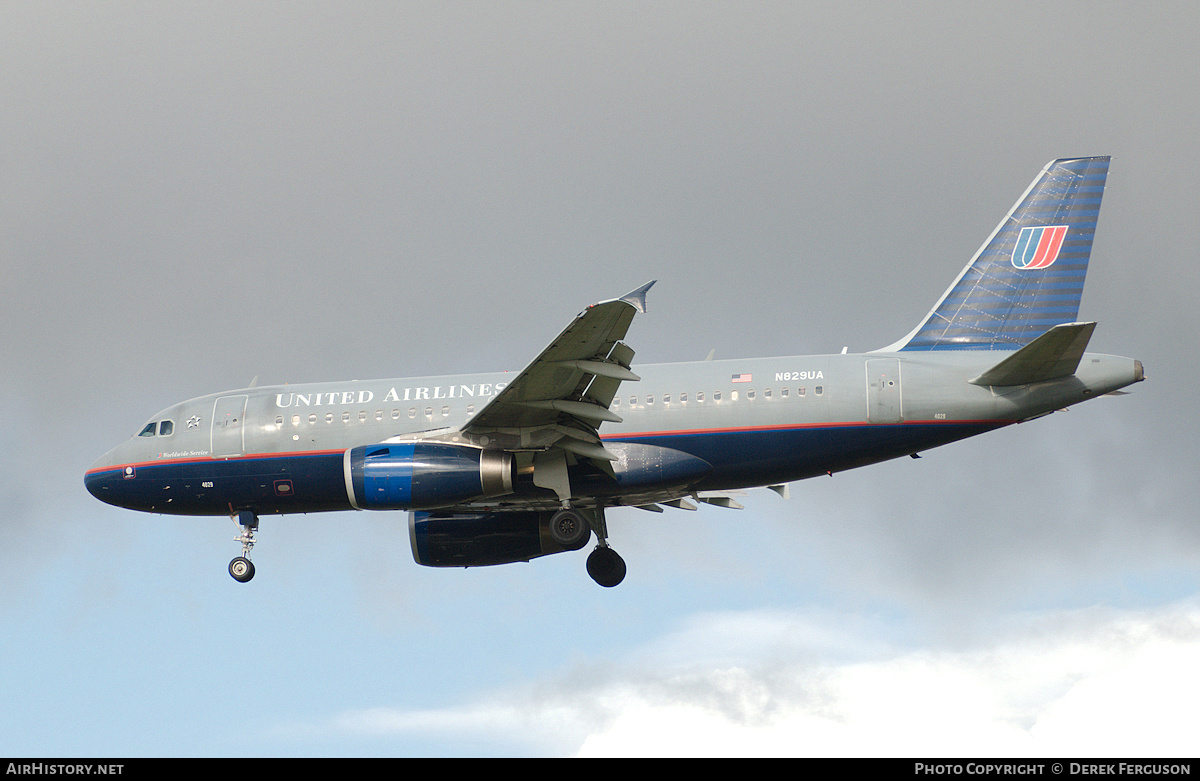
(96, 481)
(91, 481)
(102, 478)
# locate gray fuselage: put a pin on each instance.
(755, 421)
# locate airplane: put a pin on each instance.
(496, 468)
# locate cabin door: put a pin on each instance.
(229, 426)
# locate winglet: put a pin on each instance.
(637, 298)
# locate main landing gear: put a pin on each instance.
(605, 566)
(570, 529)
(241, 568)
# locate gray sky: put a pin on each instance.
(193, 194)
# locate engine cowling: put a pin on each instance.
(424, 475)
(482, 539)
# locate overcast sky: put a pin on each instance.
(195, 194)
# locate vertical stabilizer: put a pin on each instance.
(1028, 276)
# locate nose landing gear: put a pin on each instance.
(241, 568)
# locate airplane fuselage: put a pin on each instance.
(281, 449)
(499, 468)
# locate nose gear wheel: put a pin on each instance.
(241, 568)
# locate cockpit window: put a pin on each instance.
(149, 430)
(165, 428)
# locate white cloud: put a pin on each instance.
(1095, 683)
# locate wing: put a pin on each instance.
(558, 402)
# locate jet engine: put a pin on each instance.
(482, 539)
(424, 475)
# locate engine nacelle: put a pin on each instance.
(482, 539)
(424, 475)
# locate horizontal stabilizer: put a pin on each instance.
(1052, 355)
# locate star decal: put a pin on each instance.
(193, 421)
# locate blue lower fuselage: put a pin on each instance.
(303, 482)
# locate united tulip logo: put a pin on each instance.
(1038, 247)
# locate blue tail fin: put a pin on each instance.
(1028, 276)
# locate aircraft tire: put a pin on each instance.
(241, 569)
(569, 529)
(606, 567)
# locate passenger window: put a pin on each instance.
(445, 411)
(820, 389)
(700, 397)
(379, 414)
(616, 401)
(649, 399)
(683, 398)
(295, 420)
(767, 393)
(716, 395)
(666, 398)
(783, 392)
(346, 417)
(328, 417)
(429, 412)
(632, 400)
(750, 394)
(165, 428)
(149, 430)
(412, 412)
(800, 391)
(362, 416)
(279, 420)
(312, 418)
(395, 414)
(733, 396)
(470, 409)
